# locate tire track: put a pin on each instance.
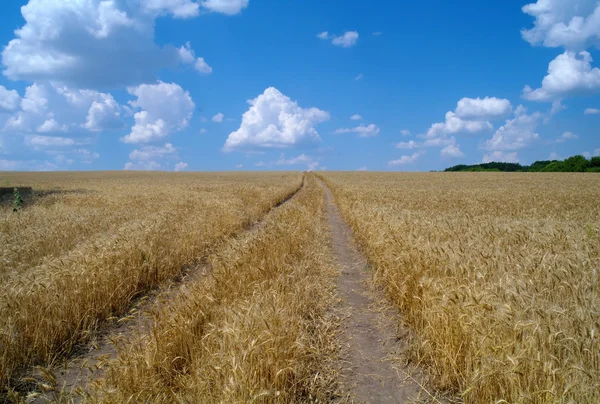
(69, 382)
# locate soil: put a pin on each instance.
(369, 333)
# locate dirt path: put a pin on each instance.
(89, 364)
(369, 336)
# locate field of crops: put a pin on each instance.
(497, 274)
(85, 245)
(496, 278)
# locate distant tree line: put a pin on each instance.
(575, 164)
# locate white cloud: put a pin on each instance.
(202, 66)
(356, 117)
(361, 130)
(573, 24)
(597, 152)
(165, 108)
(275, 121)
(501, 157)
(569, 74)
(453, 124)
(41, 142)
(98, 43)
(347, 40)
(554, 156)
(239, 166)
(151, 157)
(181, 166)
(377, 33)
(218, 118)
(452, 151)
(439, 141)
(359, 77)
(179, 8)
(187, 56)
(406, 159)
(567, 136)
(411, 144)
(363, 168)
(45, 105)
(405, 132)
(483, 109)
(516, 133)
(592, 111)
(260, 164)
(587, 155)
(103, 114)
(9, 100)
(50, 125)
(227, 7)
(203, 130)
(146, 153)
(301, 159)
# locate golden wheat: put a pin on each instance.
(256, 328)
(85, 246)
(498, 274)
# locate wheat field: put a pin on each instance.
(86, 244)
(496, 274)
(496, 277)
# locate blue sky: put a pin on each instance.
(203, 85)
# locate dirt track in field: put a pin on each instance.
(89, 364)
(369, 336)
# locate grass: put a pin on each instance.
(497, 274)
(79, 252)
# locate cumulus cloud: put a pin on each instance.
(454, 124)
(483, 109)
(405, 132)
(41, 142)
(472, 115)
(361, 130)
(218, 118)
(501, 157)
(452, 151)
(516, 133)
(403, 160)
(151, 157)
(47, 108)
(302, 159)
(98, 43)
(104, 113)
(50, 125)
(567, 136)
(356, 117)
(568, 75)
(181, 166)
(275, 121)
(165, 108)
(363, 168)
(573, 24)
(592, 111)
(411, 144)
(9, 100)
(347, 40)
(227, 7)
(187, 56)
